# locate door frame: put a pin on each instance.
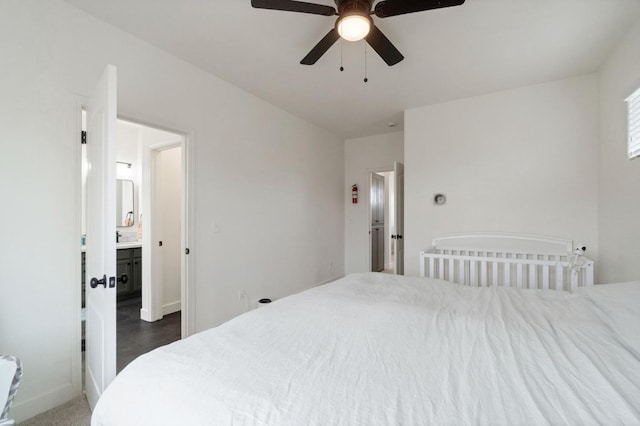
(187, 320)
(76, 346)
(155, 281)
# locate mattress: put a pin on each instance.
(378, 349)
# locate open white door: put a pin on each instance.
(398, 168)
(100, 364)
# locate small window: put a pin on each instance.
(633, 102)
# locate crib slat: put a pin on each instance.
(533, 276)
(559, 274)
(519, 275)
(483, 274)
(441, 268)
(461, 277)
(494, 273)
(451, 266)
(507, 275)
(431, 271)
(545, 277)
(473, 277)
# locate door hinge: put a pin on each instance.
(83, 139)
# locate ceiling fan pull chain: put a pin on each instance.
(365, 63)
(341, 43)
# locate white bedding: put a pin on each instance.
(376, 349)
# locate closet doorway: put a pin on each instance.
(382, 223)
(386, 220)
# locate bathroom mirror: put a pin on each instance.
(124, 203)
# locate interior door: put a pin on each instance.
(398, 168)
(100, 366)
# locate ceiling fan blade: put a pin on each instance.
(320, 48)
(383, 46)
(294, 6)
(388, 8)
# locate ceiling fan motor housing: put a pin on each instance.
(353, 7)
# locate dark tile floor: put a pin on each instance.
(136, 337)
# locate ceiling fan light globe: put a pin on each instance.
(354, 27)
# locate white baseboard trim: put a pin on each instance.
(172, 307)
(145, 315)
(337, 277)
(23, 410)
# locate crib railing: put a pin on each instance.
(513, 268)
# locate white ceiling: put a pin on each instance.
(479, 47)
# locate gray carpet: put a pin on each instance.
(74, 413)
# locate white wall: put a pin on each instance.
(273, 182)
(522, 161)
(619, 195)
(361, 157)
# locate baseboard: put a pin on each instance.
(337, 277)
(172, 307)
(145, 315)
(23, 410)
(167, 309)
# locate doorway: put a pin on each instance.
(382, 206)
(386, 220)
(152, 315)
(150, 238)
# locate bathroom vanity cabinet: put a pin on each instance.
(128, 261)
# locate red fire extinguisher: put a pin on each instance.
(354, 194)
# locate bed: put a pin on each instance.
(378, 349)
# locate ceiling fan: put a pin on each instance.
(355, 23)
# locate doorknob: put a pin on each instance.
(96, 282)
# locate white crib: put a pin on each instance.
(511, 260)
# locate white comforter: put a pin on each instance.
(374, 349)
